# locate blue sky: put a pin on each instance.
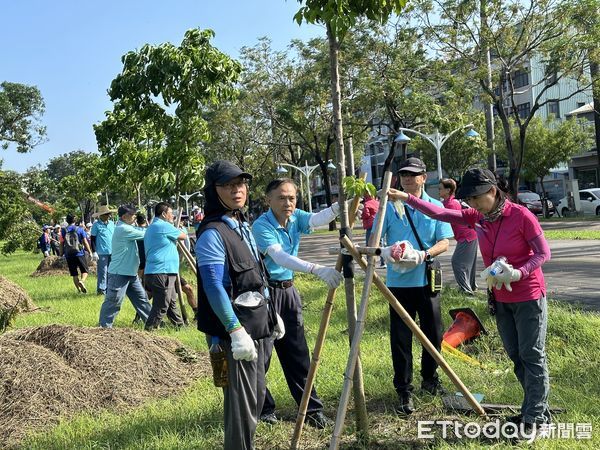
(71, 51)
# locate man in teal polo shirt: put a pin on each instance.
(162, 266)
(277, 234)
(409, 285)
(101, 239)
(122, 270)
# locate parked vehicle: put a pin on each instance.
(589, 199)
(533, 203)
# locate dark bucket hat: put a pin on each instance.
(475, 182)
(222, 171)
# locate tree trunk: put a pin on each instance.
(138, 190)
(359, 395)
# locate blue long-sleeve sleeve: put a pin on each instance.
(212, 282)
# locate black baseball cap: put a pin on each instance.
(412, 165)
(475, 182)
(222, 171)
(126, 209)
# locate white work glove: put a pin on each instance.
(412, 258)
(242, 345)
(95, 256)
(507, 275)
(335, 207)
(394, 253)
(279, 329)
(332, 277)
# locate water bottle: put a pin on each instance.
(218, 361)
(496, 268)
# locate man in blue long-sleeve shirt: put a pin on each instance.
(229, 264)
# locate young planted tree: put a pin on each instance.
(21, 108)
(339, 16)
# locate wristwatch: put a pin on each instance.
(427, 255)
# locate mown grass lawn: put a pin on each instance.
(193, 420)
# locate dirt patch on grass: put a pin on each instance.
(55, 265)
(54, 371)
(13, 300)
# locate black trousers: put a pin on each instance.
(291, 349)
(416, 300)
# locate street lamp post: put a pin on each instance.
(438, 140)
(186, 197)
(307, 171)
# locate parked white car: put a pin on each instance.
(589, 199)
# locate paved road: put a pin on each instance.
(572, 275)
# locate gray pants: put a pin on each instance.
(522, 327)
(244, 397)
(164, 300)
(463, 265)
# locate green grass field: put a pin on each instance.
(193, 420)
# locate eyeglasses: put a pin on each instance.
(410, 174)
(234, 185)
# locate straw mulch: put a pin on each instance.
(55, 265)
(13, 300)
(54, 371)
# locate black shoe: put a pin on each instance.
(516, 419)
(406, 405)
(100, 293)
(270, 418)
(434, 387)
(318, 420)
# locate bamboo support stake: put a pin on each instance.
(188, 256)
(184, 315)
(316, 355)
(360, 321)
(416, 330)
(370, 251)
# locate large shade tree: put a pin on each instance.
(21, 108)
(166, 89)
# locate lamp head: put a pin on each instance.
(401, 138)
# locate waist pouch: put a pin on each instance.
(434, 276)
(255, 314)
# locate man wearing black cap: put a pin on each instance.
(122, 270)
(410, 284)
(229, 269)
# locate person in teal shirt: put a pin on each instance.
(122, 270)
(277, 233)
(101, 240)
(162, 266)
(409, 284)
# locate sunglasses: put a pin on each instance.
(410, 174)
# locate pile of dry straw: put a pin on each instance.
(54, 371)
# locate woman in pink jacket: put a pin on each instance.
(465, 253)
(517, 293)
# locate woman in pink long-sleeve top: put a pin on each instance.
(518, 293)
(465, 254)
